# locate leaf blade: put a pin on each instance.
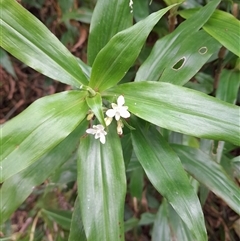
(111, 63)
(164, 170)
(228, 86)
(26, 38)
(211, 174)
(77, 229)
(168, 225)
(102, 200)
(18, 187)
(109, 18)
(223, 27)
(29, 142)
(95, 105)
(187, 111)
(175, 46)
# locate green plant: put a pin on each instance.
(152, 108)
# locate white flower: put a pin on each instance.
(98, 131)
(118, 110)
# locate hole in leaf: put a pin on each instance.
(179, 64)
(203, 50)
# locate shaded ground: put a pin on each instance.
(17, 94)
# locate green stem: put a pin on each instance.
(91, 92)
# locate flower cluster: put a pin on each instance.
(118, 110)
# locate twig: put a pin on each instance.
(31, 238)
(25, 225)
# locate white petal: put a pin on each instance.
(110, 113)
(102, 139)
(124, 113)
(104, 133)
(100, 127)
(114, 106)
(91, 131)
(124, 107)
(98, 134)
(120, 100)
(117, 116)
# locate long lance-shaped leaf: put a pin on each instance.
(181, 109)
(141, 9)
(228, 86)
(115, 59)
(38, 129)
(102, 187)
(7, 64)
(18, 187)
(95, 105)
(168, 226)
(209, 173)
(166, 173)
(161, 229)
(60, 217)
(191, 54)
(77, 230)
(26, 38)
(223, 26)
(109, 18)
(178, 56)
